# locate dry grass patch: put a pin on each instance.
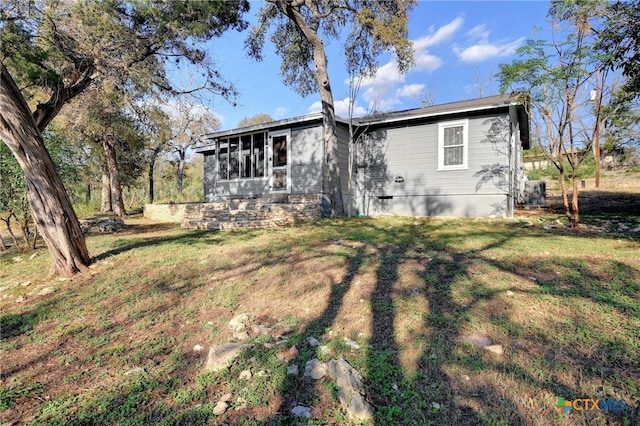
(564, 306)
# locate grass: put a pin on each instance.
(564, 306)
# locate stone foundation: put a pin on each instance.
(265, 212)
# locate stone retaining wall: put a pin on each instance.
(281, 210)
(173, 213)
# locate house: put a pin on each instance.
(456, 159)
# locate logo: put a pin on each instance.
(586, 404)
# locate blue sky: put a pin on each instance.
(458, 46)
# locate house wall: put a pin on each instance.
(398, 171)
(306, 160)
(306, 157)
(222, 190)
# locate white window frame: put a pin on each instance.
(465, 144)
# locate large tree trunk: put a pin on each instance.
(105, 205)
(50, 204)
(328, 111)
(115, 184)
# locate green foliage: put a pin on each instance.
(13, 193)
(374, 27)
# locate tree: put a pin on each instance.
(57, 49)
(555, 80)
(189, 122)
(619, 39)
(255, 120)
(14, 204)
(299, 27)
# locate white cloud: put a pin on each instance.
(410, 90)
(441, 34)
(425, 61)
(341, 107)
(315, 107)
(485, 50)
(479, 32)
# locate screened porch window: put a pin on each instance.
(453, 145)
(241, 157)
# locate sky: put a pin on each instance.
(458, 47)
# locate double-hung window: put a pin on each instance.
(453, 145)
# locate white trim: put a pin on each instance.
(465, 143)
(270, 136)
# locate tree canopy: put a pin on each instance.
(51, 51)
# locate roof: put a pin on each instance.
(459, 107)
(453, 108)
(271, 125)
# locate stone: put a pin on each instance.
(353, 345)
(510, 293)
(226, 397)
(315, 369)
(350, 389)
(46, 290)
(243, 335)
(260, 329)
(198, 348)
(239, 322)
(312, 341)
(245, 375)
(301, 411)
(360, 409)
(221, 356)
(324, 350)
(102, 225)
(262, 373)
(288, 354)
(26, 284)
(33, 256)
(496, 349)
(477, 340)
(137, 370)
(435, 405)
(220, 408)
(292, 369)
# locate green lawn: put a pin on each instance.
(564, 306)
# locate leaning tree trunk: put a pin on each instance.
(50, 204)
(328, 119)
(115, 183)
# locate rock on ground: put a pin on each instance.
(220, 408)
(315, 369)
(350, 389)
(221, 356)
(301, 411)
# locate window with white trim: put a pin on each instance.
(241, 157)
(453, 145)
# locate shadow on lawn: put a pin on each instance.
(437, 392)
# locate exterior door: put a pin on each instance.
(280, 161)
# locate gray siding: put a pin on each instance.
(306, 170)
(343, 157)
(398, 171)
(306, 160)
